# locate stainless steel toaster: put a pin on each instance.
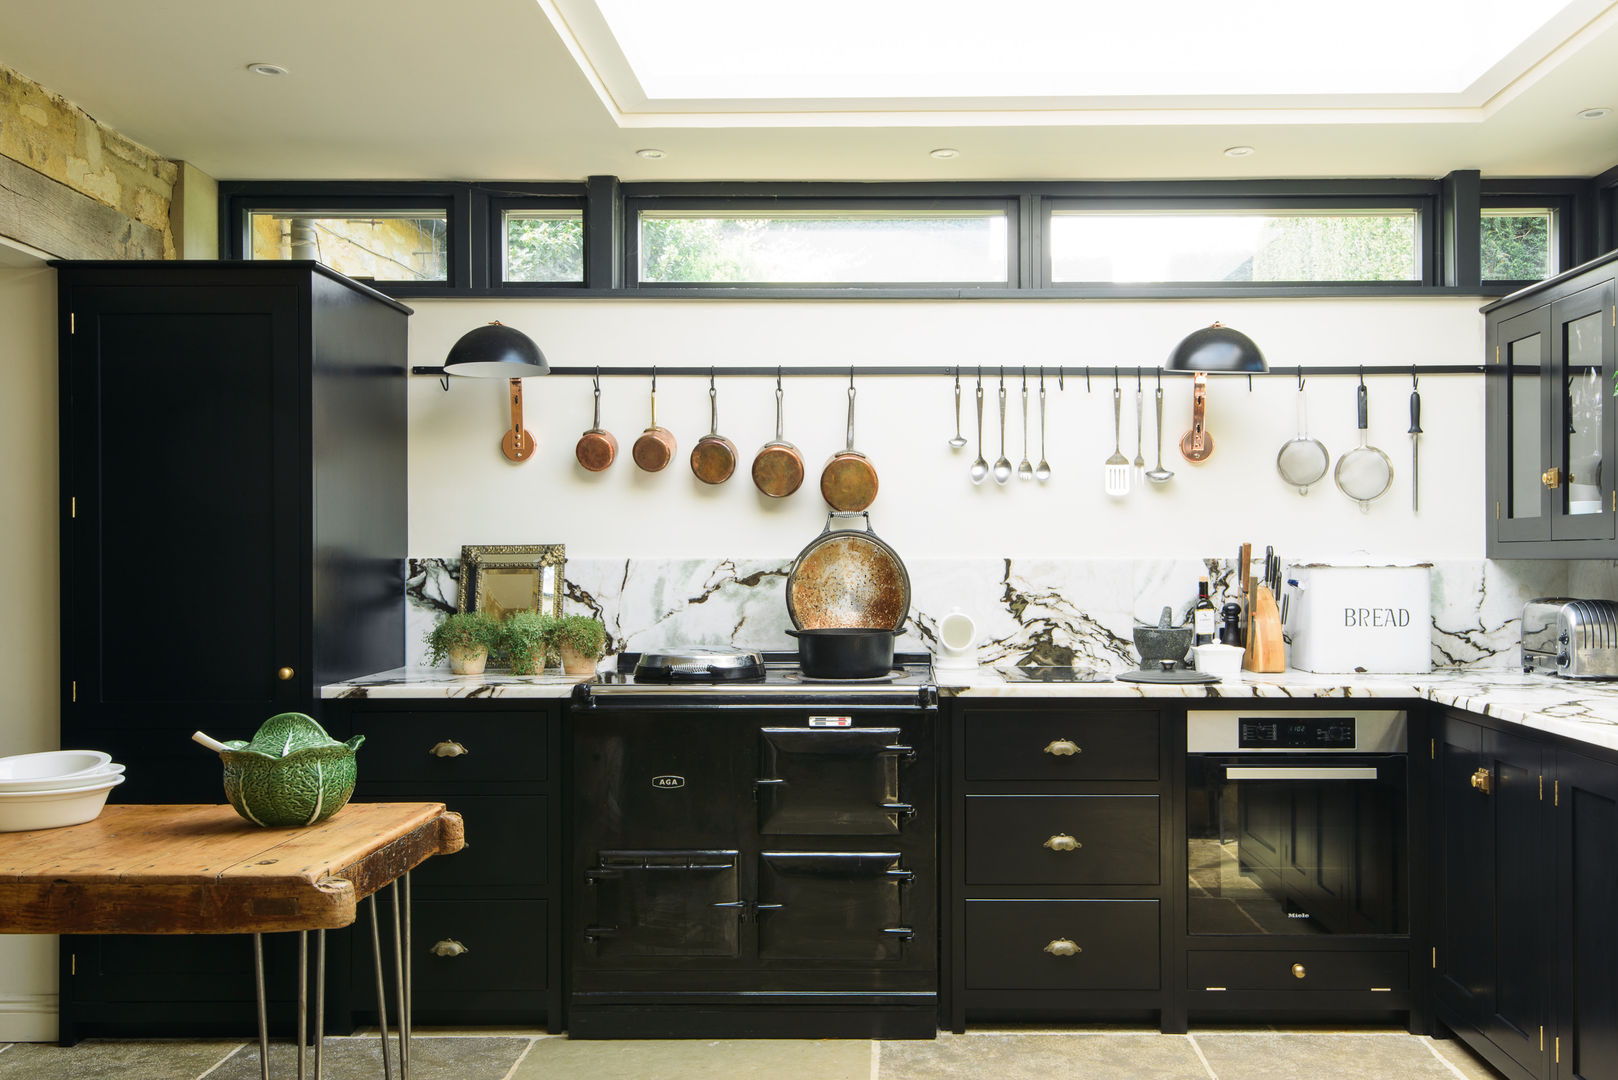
(1574, 638)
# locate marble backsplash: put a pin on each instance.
(1054, 611)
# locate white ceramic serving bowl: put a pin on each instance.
(24, 810)
(52, 763)
(63, 783)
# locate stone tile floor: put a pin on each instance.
(994, 1054)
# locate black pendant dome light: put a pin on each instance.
(498, 351)
(1213, 348)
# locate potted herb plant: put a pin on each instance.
(466, 638)
(528, 639)
(582, 640)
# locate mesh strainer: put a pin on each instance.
(1302, 461)
(1363, 473)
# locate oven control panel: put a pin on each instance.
(1292, 730)
(1295, 733)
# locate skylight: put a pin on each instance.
(835, 55)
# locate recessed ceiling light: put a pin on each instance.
(944, 153)
(266, 69)
(1238, 151)
(1595, 113)
(651, 153)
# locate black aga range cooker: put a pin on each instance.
(754, 851)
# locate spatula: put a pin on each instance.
(1117, 465)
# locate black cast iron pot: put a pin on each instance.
(845, 653)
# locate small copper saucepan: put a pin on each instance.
(596, 449)
(713, 459)
(654, 449)
(778, 467)
(848, 482)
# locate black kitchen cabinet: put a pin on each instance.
(486, 920)
(1060, 841)
(1550, 364)
(1525, 955)
(201, 534)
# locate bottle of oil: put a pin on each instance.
(1203, 615)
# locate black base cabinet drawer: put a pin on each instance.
(472, 962)
(432, 750)
(1057, 744)
(505, 850)
(1062, 839)
(1299, 970)
(1062, 944)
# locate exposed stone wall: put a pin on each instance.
(54, 137)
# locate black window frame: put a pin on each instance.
(1448, 236)
(1561, 198)
(636, 201)
(1422, 197)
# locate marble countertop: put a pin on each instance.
(1581, 710)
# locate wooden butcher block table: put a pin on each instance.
(187, 869)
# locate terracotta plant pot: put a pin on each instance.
(468, 661)
(529, 663)
(574, 663)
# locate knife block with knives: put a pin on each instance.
(1265, 650)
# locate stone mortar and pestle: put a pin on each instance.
(1164, 645)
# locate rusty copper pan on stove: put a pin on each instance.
(848, 579)
(848, 482)
(654, 449)
(596, 449)
(713, 459)
(778, 466)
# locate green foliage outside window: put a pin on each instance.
(1516, 247)
(544, 248)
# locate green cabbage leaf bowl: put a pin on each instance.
(291, 774)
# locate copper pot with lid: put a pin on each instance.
(848, 482)
(778, 466)
(596, 449)
(654, 449)
(848, 579)
(713, 459)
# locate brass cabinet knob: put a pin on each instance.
(1062, 947)
(284, 674)
(1482, 780)
(1062, 842)
(1298, 972)
(448, 947)
(1063, 748)
(1552, 477)
(448, 749)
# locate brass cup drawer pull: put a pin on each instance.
(448, 749)
(1062, 842)
(449, 947)
(1482, 780)
(1298, 971)
(1062, 947)
(1063, 748)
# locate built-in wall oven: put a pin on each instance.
(1297, 851)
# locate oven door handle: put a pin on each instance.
(1301, 772)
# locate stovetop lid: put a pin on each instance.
(700, 664)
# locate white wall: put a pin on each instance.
(464, 491)
(29, 715)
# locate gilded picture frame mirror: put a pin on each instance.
(502, 578)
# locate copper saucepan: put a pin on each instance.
(848, 482)
(713, 459)
(596, 449)
(654, 449)
(778, 467)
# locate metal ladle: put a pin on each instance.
(1159, 475)
(959, 440)
(980, 467)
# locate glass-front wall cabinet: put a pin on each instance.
(1550, 439)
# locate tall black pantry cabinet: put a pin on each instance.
(233, 536)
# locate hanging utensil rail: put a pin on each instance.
(935, 370)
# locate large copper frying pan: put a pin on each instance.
(848, 579)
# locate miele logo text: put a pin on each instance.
(1376, 616)
(668, 781)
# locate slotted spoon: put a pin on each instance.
(1025, 469)
(1117, 477)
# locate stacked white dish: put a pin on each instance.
(55, 788)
